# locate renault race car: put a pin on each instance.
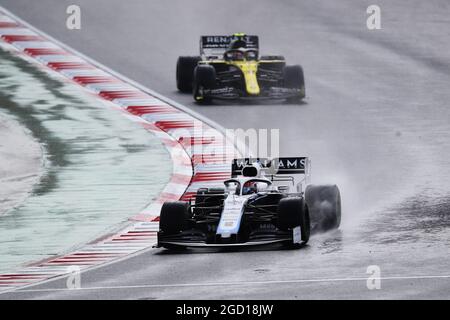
(229, 67)
(262, 203)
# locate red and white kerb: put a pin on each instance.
(184, 136)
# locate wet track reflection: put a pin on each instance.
(100, 168)
(375, 121)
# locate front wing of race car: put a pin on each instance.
(193, 238)
(273, 93)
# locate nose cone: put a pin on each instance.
(252, 85)
(249, 70)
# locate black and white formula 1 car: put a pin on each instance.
(262, 203)
(229, 67)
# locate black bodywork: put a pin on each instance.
(258, 224)
(230, 82)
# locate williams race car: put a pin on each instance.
(262, 203)
(229, 67)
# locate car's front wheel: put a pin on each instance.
(204, 79)
(292, 213)
(174, 217)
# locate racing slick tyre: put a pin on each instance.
(294, 79)
(204, 78)
(293, 212)
(174, 215)
(185, 72)
(324, 203)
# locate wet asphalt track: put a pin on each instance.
(376, 122)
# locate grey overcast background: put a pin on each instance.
(375, 121)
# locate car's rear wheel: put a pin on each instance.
(204, 79)
(174, 217)
(324, 203)
(292, 213)
(294, 79)
(185, 72)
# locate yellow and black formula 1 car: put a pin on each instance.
(229, 67)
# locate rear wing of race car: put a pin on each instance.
(213, 47)
(280, 170)
(289, 165)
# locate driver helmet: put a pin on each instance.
(249, 188)
(235, 55)
(238, 43)
(237, 50)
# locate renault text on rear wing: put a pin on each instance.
(216, 45)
